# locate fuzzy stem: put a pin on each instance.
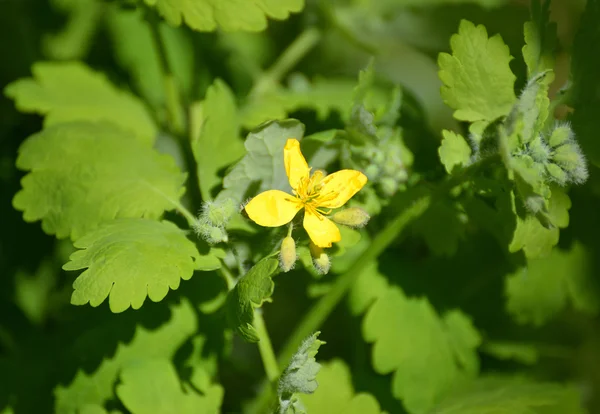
(264, 346)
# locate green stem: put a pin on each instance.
(229, 279)
(175, 112)
(266, 349)
(287, 60)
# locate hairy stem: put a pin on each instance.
(265, 348)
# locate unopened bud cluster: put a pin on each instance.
(320, 259)
(213, 219)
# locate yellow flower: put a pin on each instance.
(316, 193)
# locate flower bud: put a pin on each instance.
(352, 217)
(556, 173)
(287, 254)
(372, 171)
(320, 259)
(388, 186)
(218, 213)
(212, 234)
(560, 135)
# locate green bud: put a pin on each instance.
(391, 166)
(560, 135)
(372, 171)
(320, 259)
(388, 186)
(538, 150)
(567, 156)
(219, 213)
(212, 234)
(287, 255)
(401, 176)
(353, 217)
(379, 157)
(556, 173)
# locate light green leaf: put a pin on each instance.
(478, 82)
(85, 173)
(511, 396)
(540, 39)
(532, 237)
(228, 15)
(93, 409)
(218, 144)
(129, 259)
(300, 375)
(369, 286)
(98, 387)
(254, 288)
(336, 394)
(56, 91)
(409, 338)
(442, 226)
(454, 151)
(263, 162)
(521, 352)
(541, 290)
(152, 386)
(34, 293)
(135, 52)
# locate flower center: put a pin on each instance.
(309, 188)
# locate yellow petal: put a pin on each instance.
(296, 167)
(273, 208)
(320, 229)
(339, 187)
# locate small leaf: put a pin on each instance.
(540, 39)
(300, 375)
(408, 336)
(228, 15)
(263, 162)
(151, 386)
(478, 82)
(511, 396)
(336, 394)
(56, 92)
(542, 289)
(454, 151)
(129, 259)
(218, 144)
(82, 174)
(254, 288)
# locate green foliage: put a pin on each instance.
(454, 151)
(254, 288)
(448, 343)
(55, 92)
(540, 290)
(299, 376)
(82, 174)
(207, 15)
(511, 396)
(129, 259)
(152, 386)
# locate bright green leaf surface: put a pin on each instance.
(540, 39)
(254, 288)
(478, 82)
(409, 336)
(369, 286)
(85, 173)
(129, 259)
(539, 291)
(56, 92)
(511, 396)
(152, 386)
(98, 387)
(535, 239)
(229, 15)
(454, 151)
(263, 162)
(336, 395)
(218, 144)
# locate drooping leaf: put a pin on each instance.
(82, 174)
(336, 395)
(217, 144)
(254, 288)
(299, 376)
(478, 82)
(228, 15)
(129, 259)
(263, 163)
(533, 237)
(152, 386)
(454, 151)
(511, 396)
(543, 288)
(98, 387)
(408, 336)
(57, 92)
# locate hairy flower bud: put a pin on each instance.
(218, 213)
(352, 217)
(212, 234)
(320, 259)
(287, 254)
